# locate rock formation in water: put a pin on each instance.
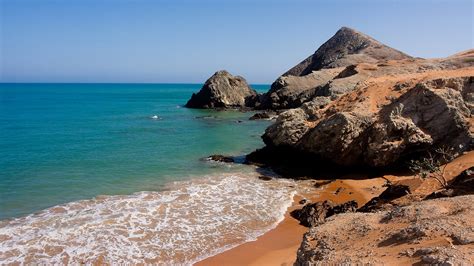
(223, 90)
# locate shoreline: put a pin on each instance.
(279, 245)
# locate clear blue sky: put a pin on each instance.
(187, 40)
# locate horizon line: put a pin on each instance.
(145, 83)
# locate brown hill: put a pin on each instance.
(347, 48)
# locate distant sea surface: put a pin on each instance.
(83, 166)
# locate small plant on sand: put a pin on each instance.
(434, 165)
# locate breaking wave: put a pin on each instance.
(185, 223)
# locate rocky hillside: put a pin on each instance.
(346, 48)
(435, 232)
(380, 114)
(223, 90)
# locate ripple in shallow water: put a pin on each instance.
(189, 221)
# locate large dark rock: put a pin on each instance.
(263, 116)
(314, 214)
(220, 158)
(223, 90)
(391, 193)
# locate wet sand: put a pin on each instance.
(279, 245)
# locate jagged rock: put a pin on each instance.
(314, 214)
(291, 91)
(223, 90)
(289, 127)
(262, 116)
(338, 137)
(220, 158)
(432, 114)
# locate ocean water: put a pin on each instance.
(114, 173)
(65, 142)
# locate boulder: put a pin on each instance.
(220, 158)
(263, 116)
(314, 214)
(223, 90)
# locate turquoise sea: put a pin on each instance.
(65, 142)
(114, 173)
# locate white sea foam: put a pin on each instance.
(183, 224)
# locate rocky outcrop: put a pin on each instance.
(263, 116)
(330, 71)
(383, 121)
(223, 90)
(427, 232)
(291, 91)
(314, 214)
(220, 158)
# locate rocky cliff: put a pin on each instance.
(394, 112)
(356, 102)
(223, 90)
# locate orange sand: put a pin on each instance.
(279, 245)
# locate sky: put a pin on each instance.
(186, 41)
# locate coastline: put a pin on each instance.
(279, 245)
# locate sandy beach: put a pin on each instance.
(279, 245)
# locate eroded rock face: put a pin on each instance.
(432, 113)
(291, 91)
(380, 124)
(223, 90)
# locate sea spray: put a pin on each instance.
(187, 222)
